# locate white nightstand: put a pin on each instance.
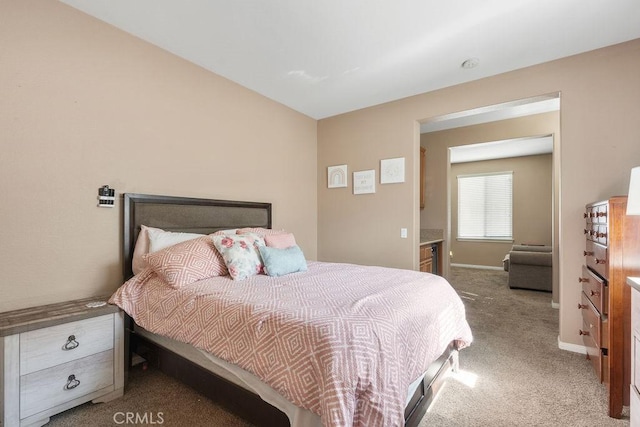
(634, 397)
(58, 356)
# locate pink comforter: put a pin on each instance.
(343, 341)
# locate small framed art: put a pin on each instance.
(364, 182)
(337, 176)
(392, 171)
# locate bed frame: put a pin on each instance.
(206, 216)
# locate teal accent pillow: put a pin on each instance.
(278, 262)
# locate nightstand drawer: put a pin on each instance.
(47, 388)
(634, 407)
(43, 348)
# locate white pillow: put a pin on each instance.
(227, 232)
(142, 248)
(160, 239)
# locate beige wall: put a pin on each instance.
(437, 144)
(532, 208)
(599, 101)
(365, 229)
(82, 105)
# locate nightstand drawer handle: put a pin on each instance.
(72, 382)
(71, 343)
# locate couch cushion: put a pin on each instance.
(530, 258)
(531, 248)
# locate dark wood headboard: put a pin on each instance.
(186, 214)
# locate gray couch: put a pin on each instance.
(529, 267)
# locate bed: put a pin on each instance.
(316, 386)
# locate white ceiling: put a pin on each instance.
(326, 57)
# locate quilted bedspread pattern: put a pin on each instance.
(341, 340)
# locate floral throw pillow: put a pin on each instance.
(240, 254)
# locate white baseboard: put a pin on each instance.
(575, 348)
(555, 305)
(482, 267)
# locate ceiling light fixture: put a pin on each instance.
(470, 63)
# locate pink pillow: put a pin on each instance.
(187, 262)
(280, 241)
(259, 231)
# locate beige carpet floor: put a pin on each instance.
(512, 375)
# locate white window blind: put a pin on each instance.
(485, 206)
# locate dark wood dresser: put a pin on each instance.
(612, 252)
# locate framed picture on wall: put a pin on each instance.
(392, 171)
(364, 182)
(337, 176)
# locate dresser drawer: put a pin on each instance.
(596, 257)
(43, 348)
(593, 325)
(595, 289)
(47, 388)
(590, 214)
(598, 233)
(598, 359)
(601, 213)
(597, 214)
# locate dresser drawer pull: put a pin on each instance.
(72, 382)
(601, 235)
(586, 231)
(584, 332)
(581, 306)
(595, 293)
(71, 343)
(582, 279)
(600, 261)
(599, 214)
(588, 253)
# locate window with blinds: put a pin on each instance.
(485, 206)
